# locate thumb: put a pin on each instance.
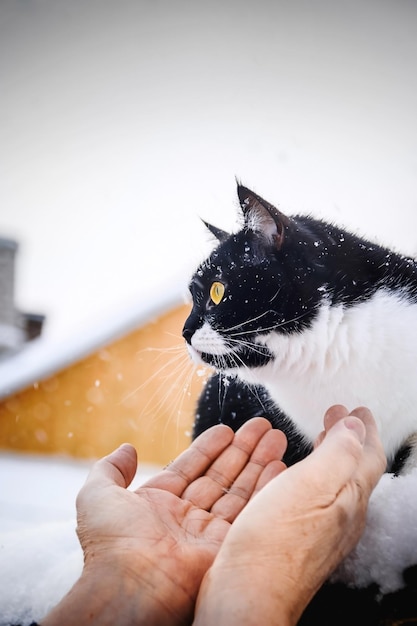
(340, 452)
(350, 448)
(117, 468)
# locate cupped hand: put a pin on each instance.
(164, 535)
(292, 535)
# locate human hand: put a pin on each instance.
(150, 548)
(292, 535)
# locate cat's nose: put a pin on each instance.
(187, 333)
(192, 323)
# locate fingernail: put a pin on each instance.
(355, 425)
(123, 446)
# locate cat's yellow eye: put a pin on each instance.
(217, 292)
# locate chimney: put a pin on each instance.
(11, 336)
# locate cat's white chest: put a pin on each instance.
(362, 355)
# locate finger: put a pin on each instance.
(271, 470)
(332, 415)
(231, 481)
(117, 468)
(374, 456)
(341, 450)
(194, 461)
(351, 451)
(365, 415)
(224, 470)
(264, 464)
(244, 446)
(327, 475)
(254, 475)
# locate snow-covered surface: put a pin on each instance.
(40, 557)
(389, 543)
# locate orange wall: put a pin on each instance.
(141, 389)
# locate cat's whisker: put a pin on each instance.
(275, 295)
(244, 323)
(255, 347)
(182, 389)
(236, 358)
(163, 350)
(180, 354)
(267, 328)
(175, 393)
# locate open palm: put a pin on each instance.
(177, 520)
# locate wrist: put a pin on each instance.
(106, 595)
(248, 594)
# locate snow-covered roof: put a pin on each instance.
(45, 356)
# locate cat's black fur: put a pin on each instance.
(292, 265)
(229, 401)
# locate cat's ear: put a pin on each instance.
(262, 217)
(221, 235)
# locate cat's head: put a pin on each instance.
(259, 280)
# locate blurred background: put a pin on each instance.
(123, 123)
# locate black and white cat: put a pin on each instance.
(295, 315)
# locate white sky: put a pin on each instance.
(122, 122)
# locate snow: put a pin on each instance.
(386, 547)
(40, 557)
